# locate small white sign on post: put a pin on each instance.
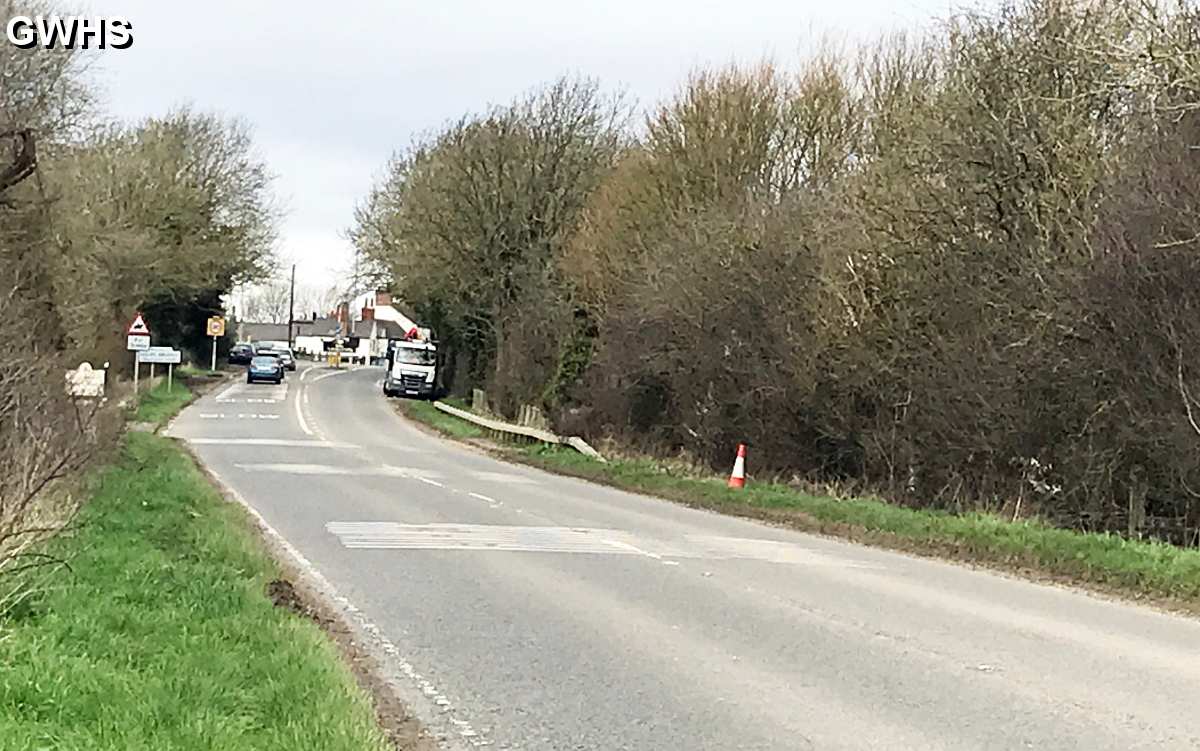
(163, 355)
(86, 381)
(137, 338)
(166, 355)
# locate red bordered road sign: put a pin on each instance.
(138, 326)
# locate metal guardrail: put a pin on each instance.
(537, 434)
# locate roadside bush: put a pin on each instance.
(954, 269)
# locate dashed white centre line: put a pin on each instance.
(434, 483)
(482, 497)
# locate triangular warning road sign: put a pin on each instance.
(138, 326)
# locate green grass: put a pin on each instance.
(1107, 562)
(160, 637)
(457, 401)
(159, 404)
(425, 412)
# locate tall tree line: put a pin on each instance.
(959, 269)
(99, 219)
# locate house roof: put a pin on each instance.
(383, 329)
(316, 327)
(258, 332)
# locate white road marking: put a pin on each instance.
(417, 472)
(330, 373)
(253, 394)
(211, 416)
(322, 469)
(300, 411)
(269, 442)
(635, 549)
(506, 478)
(255, 416)
(473, 537)
(367, 627)
(540, 539)
(483, 498)
(434, 483)
(301, 468)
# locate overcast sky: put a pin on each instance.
(332, 89)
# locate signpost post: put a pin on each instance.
(137, 338)
(166, 355)
(216, 329)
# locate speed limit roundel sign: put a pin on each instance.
(216, 326)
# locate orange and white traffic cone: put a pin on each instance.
(738, 478)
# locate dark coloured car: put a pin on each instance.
(241, 354)
(265, 368)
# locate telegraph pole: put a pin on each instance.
(292, 307)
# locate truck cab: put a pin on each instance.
(411, 368)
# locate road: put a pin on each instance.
(531, 611)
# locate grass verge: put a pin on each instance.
(448, 424)
(195, 371)
(1133, 569)
(160, 636)
(160, 404)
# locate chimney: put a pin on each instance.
(383, 298)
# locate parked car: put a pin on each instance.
(241, 354)
(265, 368)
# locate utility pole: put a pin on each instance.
(292, 307)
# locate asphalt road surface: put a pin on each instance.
(530, 611)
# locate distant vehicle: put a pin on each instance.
(265, 368)
(264, 346)
(241, 354)
(277, 349)
(289, 359)
(411, 369)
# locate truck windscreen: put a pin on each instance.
(415, 356)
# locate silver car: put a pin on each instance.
(277, 349)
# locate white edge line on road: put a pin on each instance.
(300, 412)
(441, 710)
(225, 393)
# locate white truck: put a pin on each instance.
(412, 368)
